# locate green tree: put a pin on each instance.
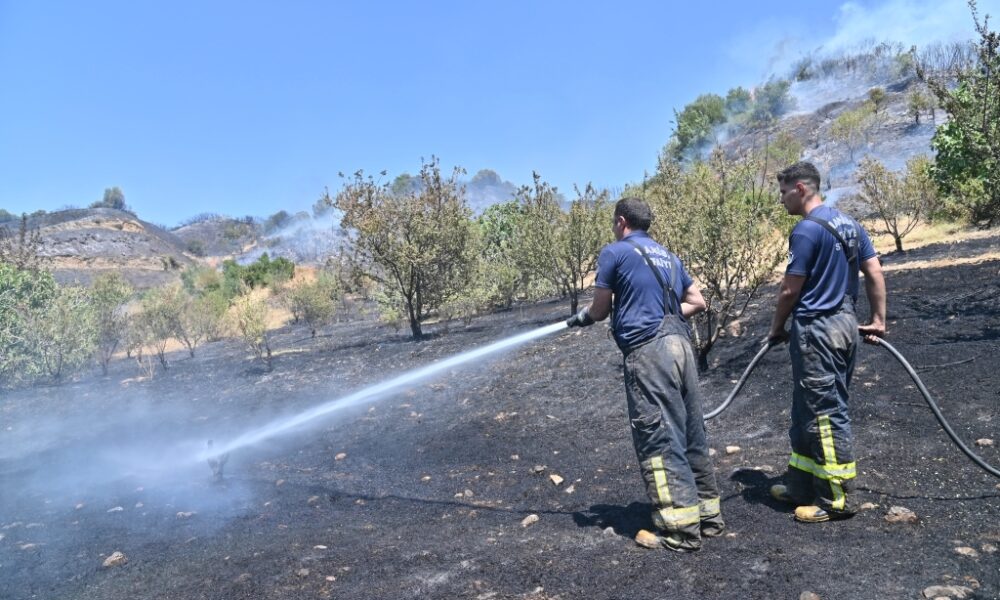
(62, 335)
(113, 198)
(968, 145)
(23, 292)
(276, 221)
(313, 302)
(770, 101)
(695, 123)
(852, 126)
(157, 319)
(249, 319)
(561, 247)
(419, 245)
(108, 295)
(499, 278)
(738, 101)
(887, 194)
(918, 102)
(877, 97)
(720, 217)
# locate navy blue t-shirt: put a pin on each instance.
(637, 310)
(815, 253)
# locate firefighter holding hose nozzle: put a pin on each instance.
(825, 252)
(648, 294)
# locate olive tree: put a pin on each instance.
(62, 335)
(313, 302)
(968, 145)
(898, 201)
(22, 292)
(160, 310)
(249, 319)
(560, 247)
(419, 244)
(108, 295)
(722, 219)
(851, 127)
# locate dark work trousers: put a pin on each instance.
(823, 350)
(664, 405)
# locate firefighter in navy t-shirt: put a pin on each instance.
(820, 287)
(649, 295)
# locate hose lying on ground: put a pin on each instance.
(937, 411)
(913, 375)
(739, 384)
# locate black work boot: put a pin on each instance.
(790, 495)
(712, 526)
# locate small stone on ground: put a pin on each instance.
(529, 520)
(733, 449)
(900, 514)
(956, 592)
(116, 559)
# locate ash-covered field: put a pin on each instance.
(425, 492)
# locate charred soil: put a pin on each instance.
(422, 493)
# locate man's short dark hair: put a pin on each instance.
(637, 213)
(800, 171)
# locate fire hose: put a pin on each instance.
(913, 375)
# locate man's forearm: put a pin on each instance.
(689, 310)
(875, 288)
(783, 308)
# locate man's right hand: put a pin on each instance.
(580, 319)
(777, 337)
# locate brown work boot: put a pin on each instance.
(667, 539)
(815, 514)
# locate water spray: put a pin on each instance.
(913, 375)
(219, 453)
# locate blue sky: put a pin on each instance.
(252, 107)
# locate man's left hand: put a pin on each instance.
(872, 332)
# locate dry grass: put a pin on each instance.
(924, 235)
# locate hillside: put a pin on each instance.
(82, 243)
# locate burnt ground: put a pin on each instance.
(428, 497)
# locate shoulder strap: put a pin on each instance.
(674, 275)
(850, 253)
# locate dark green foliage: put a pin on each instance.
(968, 145)
(276, 221)
(738, 101)
(113, 198)
(261, 273)
(196, 247)
(696, 122)
(770, 101)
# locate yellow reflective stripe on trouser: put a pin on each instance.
(671, 518)
(830, 458)
(666, 517)
(709, 508)
(826, 437)
(660, 479)
(828, 471)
